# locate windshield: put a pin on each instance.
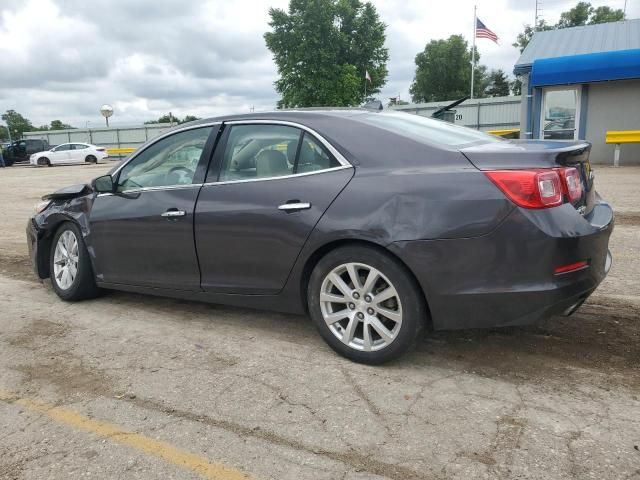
(426, 130)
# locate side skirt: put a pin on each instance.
(278, 303)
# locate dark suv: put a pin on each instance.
(20, 150)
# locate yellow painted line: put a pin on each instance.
(501, 133)
(118, 151)
(164, 450)
(623, 136)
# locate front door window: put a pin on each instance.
(169, 162)
(560, 114)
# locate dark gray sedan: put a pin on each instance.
(377, 224)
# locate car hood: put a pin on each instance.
(71, 191)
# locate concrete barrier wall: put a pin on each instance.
(110, 138)
(496, 113)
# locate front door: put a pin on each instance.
(560, 117)
(258, 208)
(143, 233)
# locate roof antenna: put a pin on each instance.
(373, 105)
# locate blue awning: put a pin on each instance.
(590, 67)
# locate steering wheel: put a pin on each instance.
(182, 175)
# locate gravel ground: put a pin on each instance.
(260, 393)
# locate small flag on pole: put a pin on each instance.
(367, 76)
(483, 32)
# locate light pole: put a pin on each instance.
(106, 111)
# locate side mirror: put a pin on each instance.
(103, 184)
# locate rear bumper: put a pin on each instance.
(507, 277)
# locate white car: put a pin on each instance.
(69, 153)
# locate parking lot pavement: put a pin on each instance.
(131, 386)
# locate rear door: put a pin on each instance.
(78, 152)
(60, 154)
(267, 188)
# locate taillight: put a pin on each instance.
(529, 188)
(571, 183)
(99, 149)
(571, 267)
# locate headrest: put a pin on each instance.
(271, 163)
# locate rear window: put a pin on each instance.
(426, 130)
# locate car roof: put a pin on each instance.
(300, 115)
(355, 132)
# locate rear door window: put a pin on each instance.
(313, 156)
(259, 151)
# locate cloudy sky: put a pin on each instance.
(62, 59)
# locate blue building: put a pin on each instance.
(580, 82)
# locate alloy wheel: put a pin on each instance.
(361, 307)
(65, 260)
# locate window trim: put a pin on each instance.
(344, 163)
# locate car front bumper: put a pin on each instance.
(507, 277)
(35, 245)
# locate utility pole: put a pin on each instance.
(624, 12)
(538, 11)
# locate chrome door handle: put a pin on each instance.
(173, 213)
(292, 207)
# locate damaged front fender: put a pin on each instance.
(69, 204)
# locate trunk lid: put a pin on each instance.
(531, 154)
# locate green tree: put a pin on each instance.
(322, 49)
(171, 118)
(578, 15)
(516, 87)
(166, 118)
(498, 84)
(443, 71)
(189, 118)
(58, 125)
(525, 36)
(606, 15)
(17, 123)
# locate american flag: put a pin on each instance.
(483, 32)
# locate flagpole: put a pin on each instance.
(473, 49)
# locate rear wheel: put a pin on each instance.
(91, 159)
(365, 304)
(69, 265)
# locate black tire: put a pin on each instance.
(83, 286)
(91, 159)
(414, 311)
(44, 161)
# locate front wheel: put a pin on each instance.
(365, 304)
(69, 265)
